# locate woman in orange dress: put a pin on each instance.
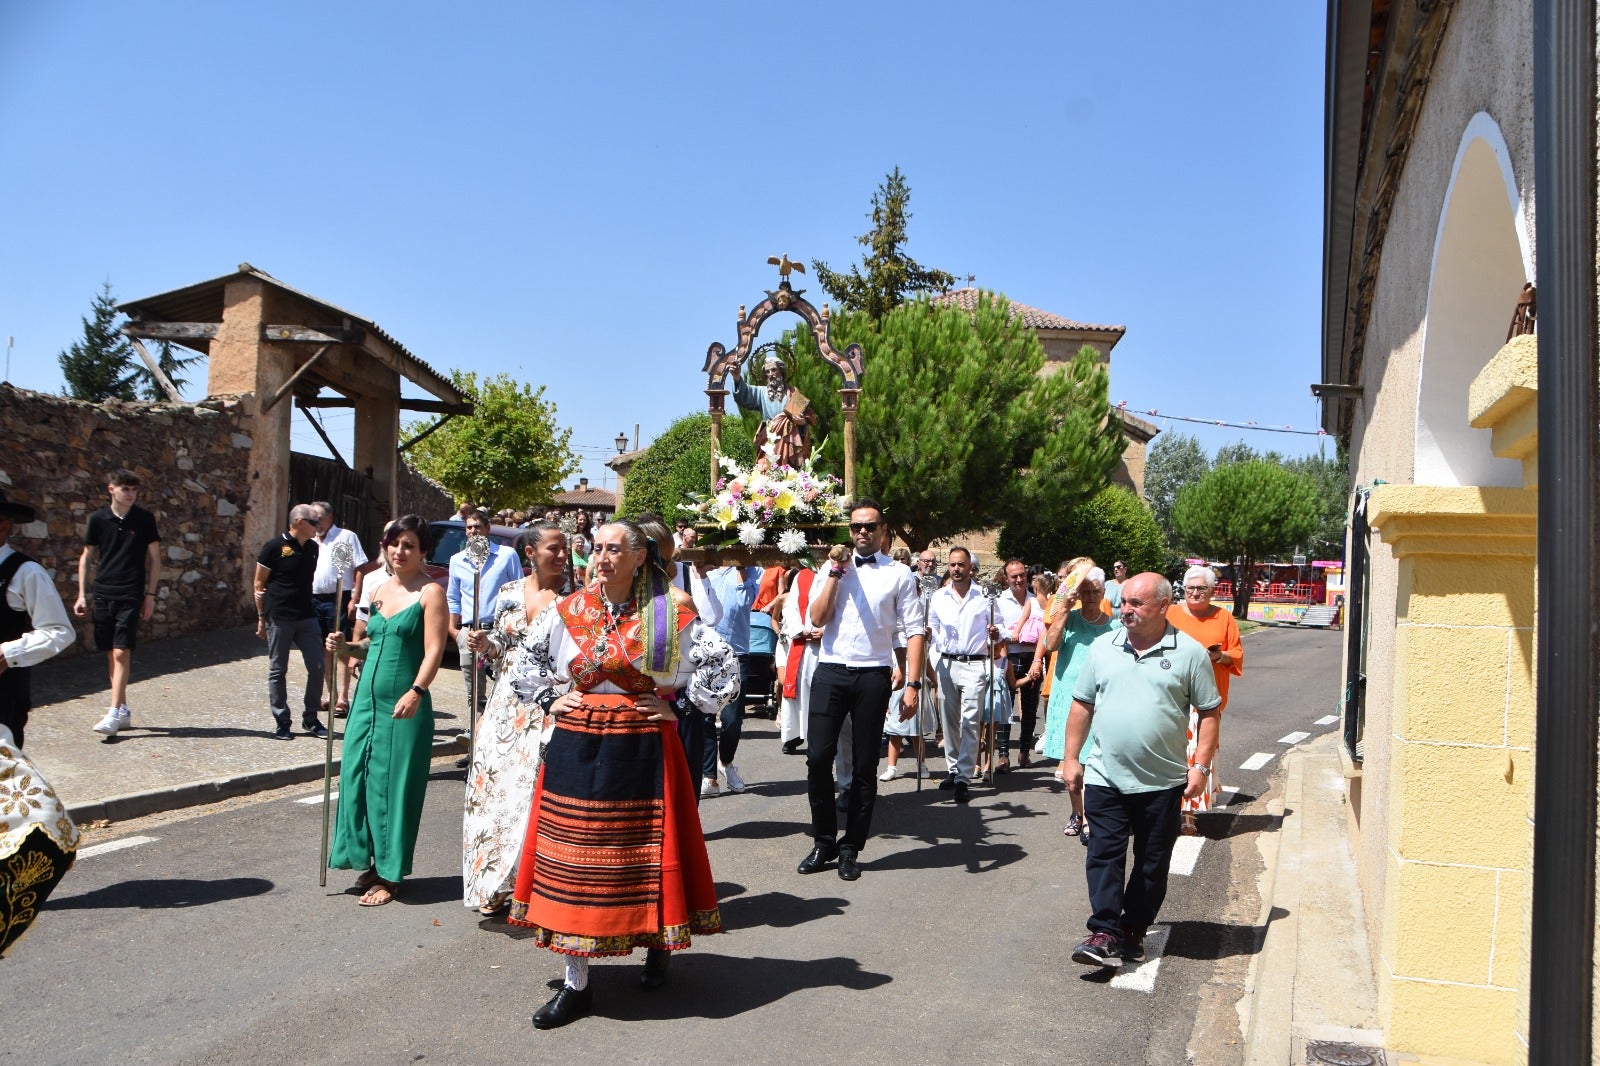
(1218, 633)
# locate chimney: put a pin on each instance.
(583, 484)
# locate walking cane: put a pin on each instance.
(991, 592)
(478, 553)
(343, 557)
(927, 584)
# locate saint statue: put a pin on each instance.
(786, 414)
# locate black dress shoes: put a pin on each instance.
(848, 870)
(565, 1006)
(947, 783)
(820, 856)
(962, 790)
(792, 745)
(655, 968)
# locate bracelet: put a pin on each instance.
(419, 690)
(837, 571)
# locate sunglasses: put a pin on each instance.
(863, 527)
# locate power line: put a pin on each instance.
(1153, 413)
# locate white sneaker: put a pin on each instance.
(117, 718)
(709, 787)
(889, 773)
(731, 775)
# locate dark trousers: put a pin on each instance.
(724, 745)
(283, 638)
(692, 734)
(862, 695)
(1151, 819)
(1027, 697)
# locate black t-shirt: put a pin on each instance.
(120, 545)
(289, 588)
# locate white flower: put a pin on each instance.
(791, 542)
(751, 534)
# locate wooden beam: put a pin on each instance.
(316, 425)
(155, 371)
(419, 437)
(287, 385)
(171, 331)
(434, 407)
(307, 335)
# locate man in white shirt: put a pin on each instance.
(800, 638)
(34, 624)
(327, 585)
(960, 632)
(857, 602)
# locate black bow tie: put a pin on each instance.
(866, 560)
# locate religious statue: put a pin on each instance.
(786, 414)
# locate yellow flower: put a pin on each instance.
(784, 501)
(723, 515)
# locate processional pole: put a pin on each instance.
(343, 557)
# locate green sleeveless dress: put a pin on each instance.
(383, 771)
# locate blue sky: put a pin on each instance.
(583, 196)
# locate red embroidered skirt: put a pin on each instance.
(614, 858)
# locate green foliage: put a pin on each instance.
(1176, 460)
(172, 364)
(889, 275)
(1247, 511)
(678, 463)
(1113, 524)
(957, 430)
(508, 453)
(99, 366)
(1332, 479)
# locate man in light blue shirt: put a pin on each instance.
(1136, 686)
(501, 566)
(734, 590)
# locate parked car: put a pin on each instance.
(449, 537)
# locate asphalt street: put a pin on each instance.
(202, 936)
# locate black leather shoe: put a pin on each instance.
(948, 783)
(962, 792)
(848, 870)
(792, 745)
(820, 856)
(565, 1006)
(655, 968)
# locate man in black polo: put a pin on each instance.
(123, 540)
(286, 617)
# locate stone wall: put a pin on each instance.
(56, 455)
(421, 495)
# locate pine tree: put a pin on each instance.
(890, 275)
(100, 366)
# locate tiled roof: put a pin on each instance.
(1032, 317)
(600, 498)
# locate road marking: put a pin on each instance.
(1294, 738)
(1232, 792)
(113, 845)
(1185, 853)
(1141, 977)
(316, 799)
(1256, 761)
(1327, 719)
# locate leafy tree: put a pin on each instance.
(1247, 511)
(957, 429)
(171, 364)
(887, 274)
(1113, 524)
(1332, 479)
(1176, 461)
(678, 463)
(508, 453)
(99, 366)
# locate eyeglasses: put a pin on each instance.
(1195, 590)
(863, 527)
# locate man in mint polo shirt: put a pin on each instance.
(1137, 686)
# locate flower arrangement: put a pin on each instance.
(768, 504)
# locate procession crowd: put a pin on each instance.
(608, 683)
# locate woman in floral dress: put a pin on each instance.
(510, 734)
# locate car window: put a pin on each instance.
(447, 541)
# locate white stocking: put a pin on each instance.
(577, 972)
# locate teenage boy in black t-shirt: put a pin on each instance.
(286, 618)
(126, 546)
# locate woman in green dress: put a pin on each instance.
(388, 740)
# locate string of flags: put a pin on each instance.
(1153, 413)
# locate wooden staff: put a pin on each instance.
(343, 559)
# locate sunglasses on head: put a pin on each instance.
(863, 527)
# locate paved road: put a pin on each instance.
(205, 938)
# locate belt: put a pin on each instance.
(325, 597)
(978, 658)
(852, 669)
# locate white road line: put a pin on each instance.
(1185, 853)
(1256, 761)
(1141, 977)
(1294, 738)
(316, 799)
(1327, 719)
(113, 845)
(1230, 791)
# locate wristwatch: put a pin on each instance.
(419, 690)
(1202, 768)
(914, 684)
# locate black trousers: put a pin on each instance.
(1151, 818)
(860, 693)
(1027, 697)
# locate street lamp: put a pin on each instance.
(621, 442)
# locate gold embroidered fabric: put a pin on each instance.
(28, 803)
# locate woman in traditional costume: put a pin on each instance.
(510, 733)
(388, 740)
(614, 857)
(37, 841)
(1218, 633)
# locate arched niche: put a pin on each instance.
(1480, 261)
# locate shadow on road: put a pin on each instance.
(761, 831)
(780, 910)
(163, 894)
(1221, 824)
(1210, 941)
(421, 891)
(705, 985)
